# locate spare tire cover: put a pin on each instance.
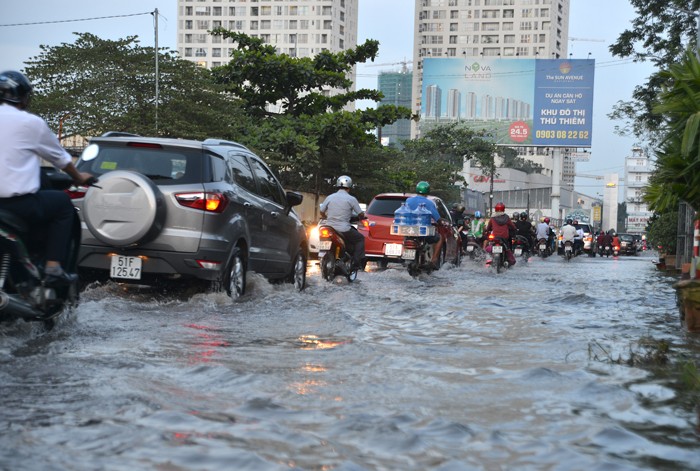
(126, 209)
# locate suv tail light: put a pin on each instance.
(204, 201)
(76, 192)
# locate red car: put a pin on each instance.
(382, 247)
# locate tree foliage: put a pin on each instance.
(439, 156)
(95, 85)
(677, 174)
(661, 231)
(660, 34)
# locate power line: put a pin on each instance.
(79, 19)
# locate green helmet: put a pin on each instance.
(423, 188)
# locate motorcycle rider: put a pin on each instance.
(457, 214)
(26, 139)
(423, 189)
(543, 231)
(568, 234)
(524, 229)
(337, 209)
(500, 225)
(578, 240)
(476, 229)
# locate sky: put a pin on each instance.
(596, 24)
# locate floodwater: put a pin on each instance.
(548, 366)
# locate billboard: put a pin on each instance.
(519, 102)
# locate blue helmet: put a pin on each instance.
(477, 214)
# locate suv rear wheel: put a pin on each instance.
(298, 275)
(234, 277)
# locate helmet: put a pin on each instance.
(14, 87)
(423, 188)
(477, 214)
(523, 216)
(516, 215)
(546, 220)
(344, 182)
(500, 207)
(569, 221)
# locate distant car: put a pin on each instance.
(383, 248)
(628, 244)
(180, 210)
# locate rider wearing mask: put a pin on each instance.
(25, 139)
(423, 189)
(337, 209)
(500, 224)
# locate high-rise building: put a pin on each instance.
(300, 28)
(476, 29)
(396, 87)
(638, 170)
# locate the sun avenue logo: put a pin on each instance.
(477, 71)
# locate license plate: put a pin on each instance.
(518, 251)
(542, 246)
(409, 254)
(393, 250)
(125, 267)
(497, 249)
(567, 248)
(607, 248)
(470, 248)
(324, 245)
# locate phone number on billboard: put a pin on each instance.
(551, 134)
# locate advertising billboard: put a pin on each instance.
(518, 102)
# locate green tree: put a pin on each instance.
(95, 85)
(661, 231)
(677, 174)
(439, 156)
(660, 34)
(300, 126)
(511, 159)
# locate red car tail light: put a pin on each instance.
(76, 192)
(204, 201)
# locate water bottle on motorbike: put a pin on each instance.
(401, 215)
(423, 215)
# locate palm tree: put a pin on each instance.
(677, 173)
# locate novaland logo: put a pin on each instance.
(475, 67)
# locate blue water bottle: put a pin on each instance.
(401, 215)
(423, 215)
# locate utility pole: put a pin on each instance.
(155, 23)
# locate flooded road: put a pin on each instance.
(549, 366)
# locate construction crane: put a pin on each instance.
(590, 40)
(404, 65)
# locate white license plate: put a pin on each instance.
(567, 248)
(542, 246)
(125, 267)
(607, 248)
(409, 254)
(470, 248)
(518, 251)
(497, 249)
(393, 250)
(324, 245)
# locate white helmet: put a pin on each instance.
(344, 182)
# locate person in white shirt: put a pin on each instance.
(337, 209)
(25, 139)
(568, 232)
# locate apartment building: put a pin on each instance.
(638, 170)
(479, 29)
(396, 87)
(300, 28)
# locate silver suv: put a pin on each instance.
(171, 209)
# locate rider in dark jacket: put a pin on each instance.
(525, 229)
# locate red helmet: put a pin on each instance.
(500, 207)
(546, 220)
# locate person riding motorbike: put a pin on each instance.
(457, 214)
(578, 240)
(26, 139)
(568, 233)
(423, 189)
(337, 210)
(524, 229)
(476, 228)
(543, 230)
(501, 226)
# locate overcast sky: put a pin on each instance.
(388, 21)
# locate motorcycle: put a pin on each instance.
(24, 292)
(521, 247)
(499, 253)
(473, 249)
(568, 250)
(335, 258)
(543, 248)
(616, 250)
(418, 253)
